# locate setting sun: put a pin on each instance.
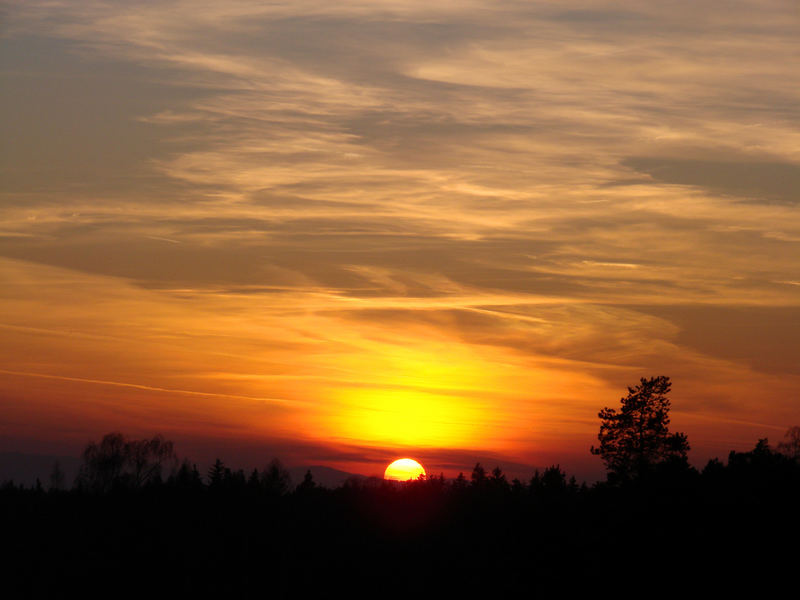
(404, 469)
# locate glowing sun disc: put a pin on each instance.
(404, 469)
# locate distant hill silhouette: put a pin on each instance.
(325, 476)
(24, 468)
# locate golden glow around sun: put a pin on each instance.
(409, 418)
(404, 469)
(427, 393)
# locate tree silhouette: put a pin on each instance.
(187, 476)
(254, 481)
(460, 482)
(119, 461)
(216, 473)
(103, 463)
(478, 476)
(498, 476)
(308, 483)
(57, 477)
(554, 479)
(147, 457)
(637, 438)
(275, 478)
(790, 446)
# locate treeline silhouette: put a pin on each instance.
(139, 521)
(237, 534)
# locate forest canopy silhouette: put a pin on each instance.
(237, 533)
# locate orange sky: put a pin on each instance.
(343, 233)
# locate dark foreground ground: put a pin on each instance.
(731, 529)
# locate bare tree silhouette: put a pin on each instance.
(118, 461)
(790, 446)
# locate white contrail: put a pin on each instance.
(142, 387)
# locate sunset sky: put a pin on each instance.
(345, 232)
